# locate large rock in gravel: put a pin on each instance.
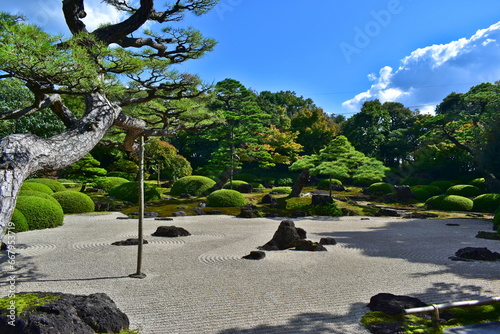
(285, 237)
(475, 253)
(393, 304)
(95, 313)
(171, 232)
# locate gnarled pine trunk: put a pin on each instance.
(22, 155)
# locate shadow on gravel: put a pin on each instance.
(430, 241)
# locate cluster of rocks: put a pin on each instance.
(95, 313)
(475, 254)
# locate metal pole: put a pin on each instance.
(139, 273)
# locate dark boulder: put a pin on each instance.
(171, 232)
(328, 241)
(308, 245)
(387, 213)
(476, 253)
(199, 211)
(302, 233)
(129, 242)
(403, 193)
(321, 200)
(95, 313)
(185, 196)
(249, 211)
(388, 328)
(393, 304)
(214, 212)
(285, 237)
(245, 188)
(268, 199)
(255, 255)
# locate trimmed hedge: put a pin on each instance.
(450, 203)
(443, 185)
(421, 194)
(20, 221)
(108, 182)
(54, 185)
(226, 198)
(40, 212)
(36, 187)
(480, 183)
(194, 185)
(487, 203)
(38, 194)
(129, 192)
(465, 190)
(282, 190)
(324, 184)
(236, 184)
(74, 202)
(380, 188)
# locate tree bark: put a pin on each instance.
(22, 155)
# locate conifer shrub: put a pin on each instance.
(36, 187)
(465, 190)
(443, 185)
(194, 185)
(74, 201)
(236, 184)
(226, 198)
(486, 203)
(19, 220)
(38, 194)
(129, 192)
(54, 185)
(40, 212)
(380, 188)
(324, 184)
(108, 182)
(284, 181)
(282, 190)
(449, 203)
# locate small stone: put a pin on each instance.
(199, 211)
(171, 232)
(328, 241)
(164, 218)
(129, 242)
(255, 255)
(179, 214)
(308, 245)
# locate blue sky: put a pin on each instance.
(336, 52)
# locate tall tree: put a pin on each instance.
(86, 65)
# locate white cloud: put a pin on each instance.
(429, 74)
(99, 13)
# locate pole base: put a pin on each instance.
(137, 275)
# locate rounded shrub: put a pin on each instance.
(421, 194)
(38, 194)
(194, 185)
(282, 190)
(236, 184)
(432, 190)
(324, 184)
(380, 188)
(284, 181)
(449, 203)
(465, 190)
(74, 201)
(366, 180)
(486, 203)
(20, 222)
(129, 192)
(54, 185)
(124, 175)
(226, 198)
(106, 183)
(40, 212)
(480, 183)
(257, 185)
(443, 185)
(36, 187)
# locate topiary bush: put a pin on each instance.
(324, 184)
(443, 185)
(486, 203)
(257, 185)
(380, 188)
(106, 183)
(236, 184)
(480, 183)
(40, 212)
(282, 190)
(20, 223)
(449, 203)
(194, 185)
(129, 192)
(422, 189)
(36, 187)
(226, 198)
(74, 202)
(421, 194)
(54, 185)
(38, 194)
(465, 190)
